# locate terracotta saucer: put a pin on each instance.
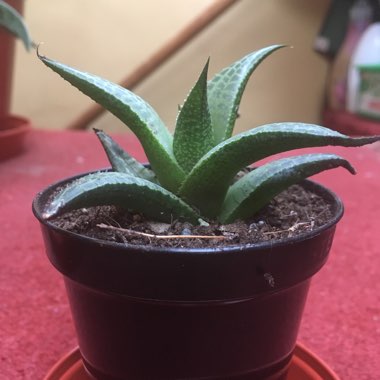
(12, 132)
(304, 366)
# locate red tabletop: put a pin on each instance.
(341, 323)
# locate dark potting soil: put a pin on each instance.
(291, 213)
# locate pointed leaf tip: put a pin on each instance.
(122, 190)
(134, 112)
(260, 186)
(121, 161)
(246, 148)
(193, 136)
(226, 89)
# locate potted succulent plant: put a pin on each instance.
(193, 266)
(12, 128)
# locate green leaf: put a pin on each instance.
(139, 116)
(13, 21)
(225, 91)
(248, 195)
(119, 189)
(193, 135)
(121, 161)
(206, 185)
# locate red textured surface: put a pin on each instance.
(342, 317)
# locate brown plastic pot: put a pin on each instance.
(12, 129)
(147, 313)
(7, 46)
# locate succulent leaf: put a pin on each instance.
(121, 161)
(225, 91)
(193, 135)
(206, 185)
(13, 21)
(119, 189)
(253, 191)
(138, 115)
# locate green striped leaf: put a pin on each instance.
(13, 21)
(121, 161)
(248, 195)
(206, 185)
(193, 135)
(225, 91)
(119, 189)
(138, 115)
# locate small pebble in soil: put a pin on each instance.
(253, 227)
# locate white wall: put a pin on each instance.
(111, 40)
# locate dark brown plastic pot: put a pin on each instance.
(147, 313)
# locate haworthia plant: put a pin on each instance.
(192, 173)
(11, 20)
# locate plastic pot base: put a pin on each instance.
(304, 366)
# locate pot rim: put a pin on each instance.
(337, 204)
(211, 274)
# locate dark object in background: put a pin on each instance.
(334, 26)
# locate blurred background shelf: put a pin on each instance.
(350, 124)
